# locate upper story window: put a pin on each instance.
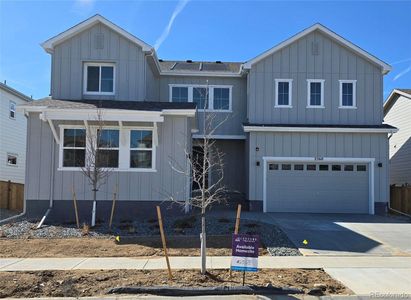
(179, 94)
(210, 98)
(200, 96)
(12, 110)
(348, 94)
(99, 78)
(108, 148)
(283, 93)
(74, 147)
(315, 93)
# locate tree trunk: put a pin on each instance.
(203, 243)
(93, 213)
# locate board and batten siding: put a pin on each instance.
(333, 63)
(399, 116)
(132, 186)
(353, 145)
(12, 139)
(231, 121)
(69, 57)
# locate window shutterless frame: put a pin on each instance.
(124, 148)
(12, 110)
(210, 95)
(85, 77)
(12, 159)
(309, 81)
(354, 94)
(290, 93)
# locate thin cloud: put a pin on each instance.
(402, 73)
(179, 8)
(83, 7)
(401, 61)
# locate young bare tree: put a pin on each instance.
(95, 169)
(206, 160)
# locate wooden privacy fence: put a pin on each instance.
(400, 198)
(11, 195)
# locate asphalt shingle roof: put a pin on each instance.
(111, 104)
(200, 66)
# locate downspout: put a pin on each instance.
(51, 190)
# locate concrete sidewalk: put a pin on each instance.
(213, 262)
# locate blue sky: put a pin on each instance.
(202, 30)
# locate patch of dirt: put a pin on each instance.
(98, 247)
(93, 283)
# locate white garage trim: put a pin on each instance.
(369, 161)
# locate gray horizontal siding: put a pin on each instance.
(69, 56)
(400, 142)
(333, 63)
(318, 145)
(231, 122)
(138, 186)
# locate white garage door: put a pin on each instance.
(317, 187)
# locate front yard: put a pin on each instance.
(137, 238)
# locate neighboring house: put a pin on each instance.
(397, 111)
(304, 131)
(13, 128)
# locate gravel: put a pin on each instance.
(272, 237)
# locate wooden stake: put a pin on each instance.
(237, 225)
(113, 205)
(237, 219)
(75, 207)
(163, 240)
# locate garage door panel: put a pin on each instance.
(317, 191)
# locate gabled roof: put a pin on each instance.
(394, 95)
(385, 67)
(16, 93)
(49, 45)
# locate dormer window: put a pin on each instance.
(99, 78)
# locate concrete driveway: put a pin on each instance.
(346, 234)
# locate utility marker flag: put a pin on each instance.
(245, 252)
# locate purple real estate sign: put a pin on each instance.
(245, 252)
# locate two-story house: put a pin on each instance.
(302, 124)
(13, 127)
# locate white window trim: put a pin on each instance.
(290, 93)
(97, 64)
(10, 110)
(124, 148)
(17, 159)
(309, 81)
(354, 94)
(210, 95)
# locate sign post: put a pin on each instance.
(245, 253)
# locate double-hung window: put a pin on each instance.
(200, 96)
(74, 147)
(283, 93)
(99, 78)
(348, 94)
(179, 94)
(141, 149)
(221, 97)
(315, 93)
(108, 148)
(12, 110)
(212, 97)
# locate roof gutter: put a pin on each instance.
(317, 129)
